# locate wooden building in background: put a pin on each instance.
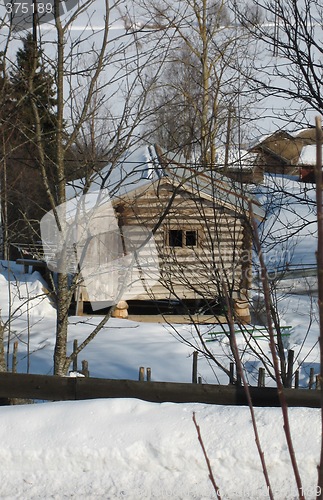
(199, 220)
(285, 153)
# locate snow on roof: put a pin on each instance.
(304, 133)
(144, 166)
(308, 156)
(135, 169)
(308, 132)
(303, 140)
(237, 158)
(267, 137)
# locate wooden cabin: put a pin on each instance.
(200, 225)
(239, 165)
(287, 153)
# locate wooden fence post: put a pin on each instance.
(296, 379)
(290, 363)
(14, 357)
(75, 345)
(194, 369)
(311, 381)
(231, 376)
(85, 368)
(141, 374)
(261, 377)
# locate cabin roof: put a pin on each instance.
(292, 148)
(149, 165)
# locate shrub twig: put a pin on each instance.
(246, 389)
(280, 387)
(216, 489)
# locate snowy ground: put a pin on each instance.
(123, 346)
(111, 449)
(131, 449)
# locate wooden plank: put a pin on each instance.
(156, 392)
(183, 393)
(31, 262)
(20, 385)
(55, 388)
(177, 319)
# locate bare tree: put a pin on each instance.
(198, 106)
(319, 200)
(200, 86)
(289, 37)
(127, 75)
(95, 70)
(285, 36)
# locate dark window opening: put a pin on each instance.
(180, 238)
(175, 238)
(191, 238)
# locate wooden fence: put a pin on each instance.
(53, 388)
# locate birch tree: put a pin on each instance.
(99, 90)
(97, 71)
(199, 91)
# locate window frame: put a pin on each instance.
(183, 238)
(173, 239)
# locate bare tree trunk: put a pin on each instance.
(3, 364)
(205, 134)
(319, 203)
(62, 279)
(4, 210)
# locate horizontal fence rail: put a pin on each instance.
(54, 388)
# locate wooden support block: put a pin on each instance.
(242, 311)
(79, 309)
(121, 310)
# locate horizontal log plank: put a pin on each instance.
(27, 386)
(44, 387)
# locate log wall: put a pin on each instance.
(187, 272)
